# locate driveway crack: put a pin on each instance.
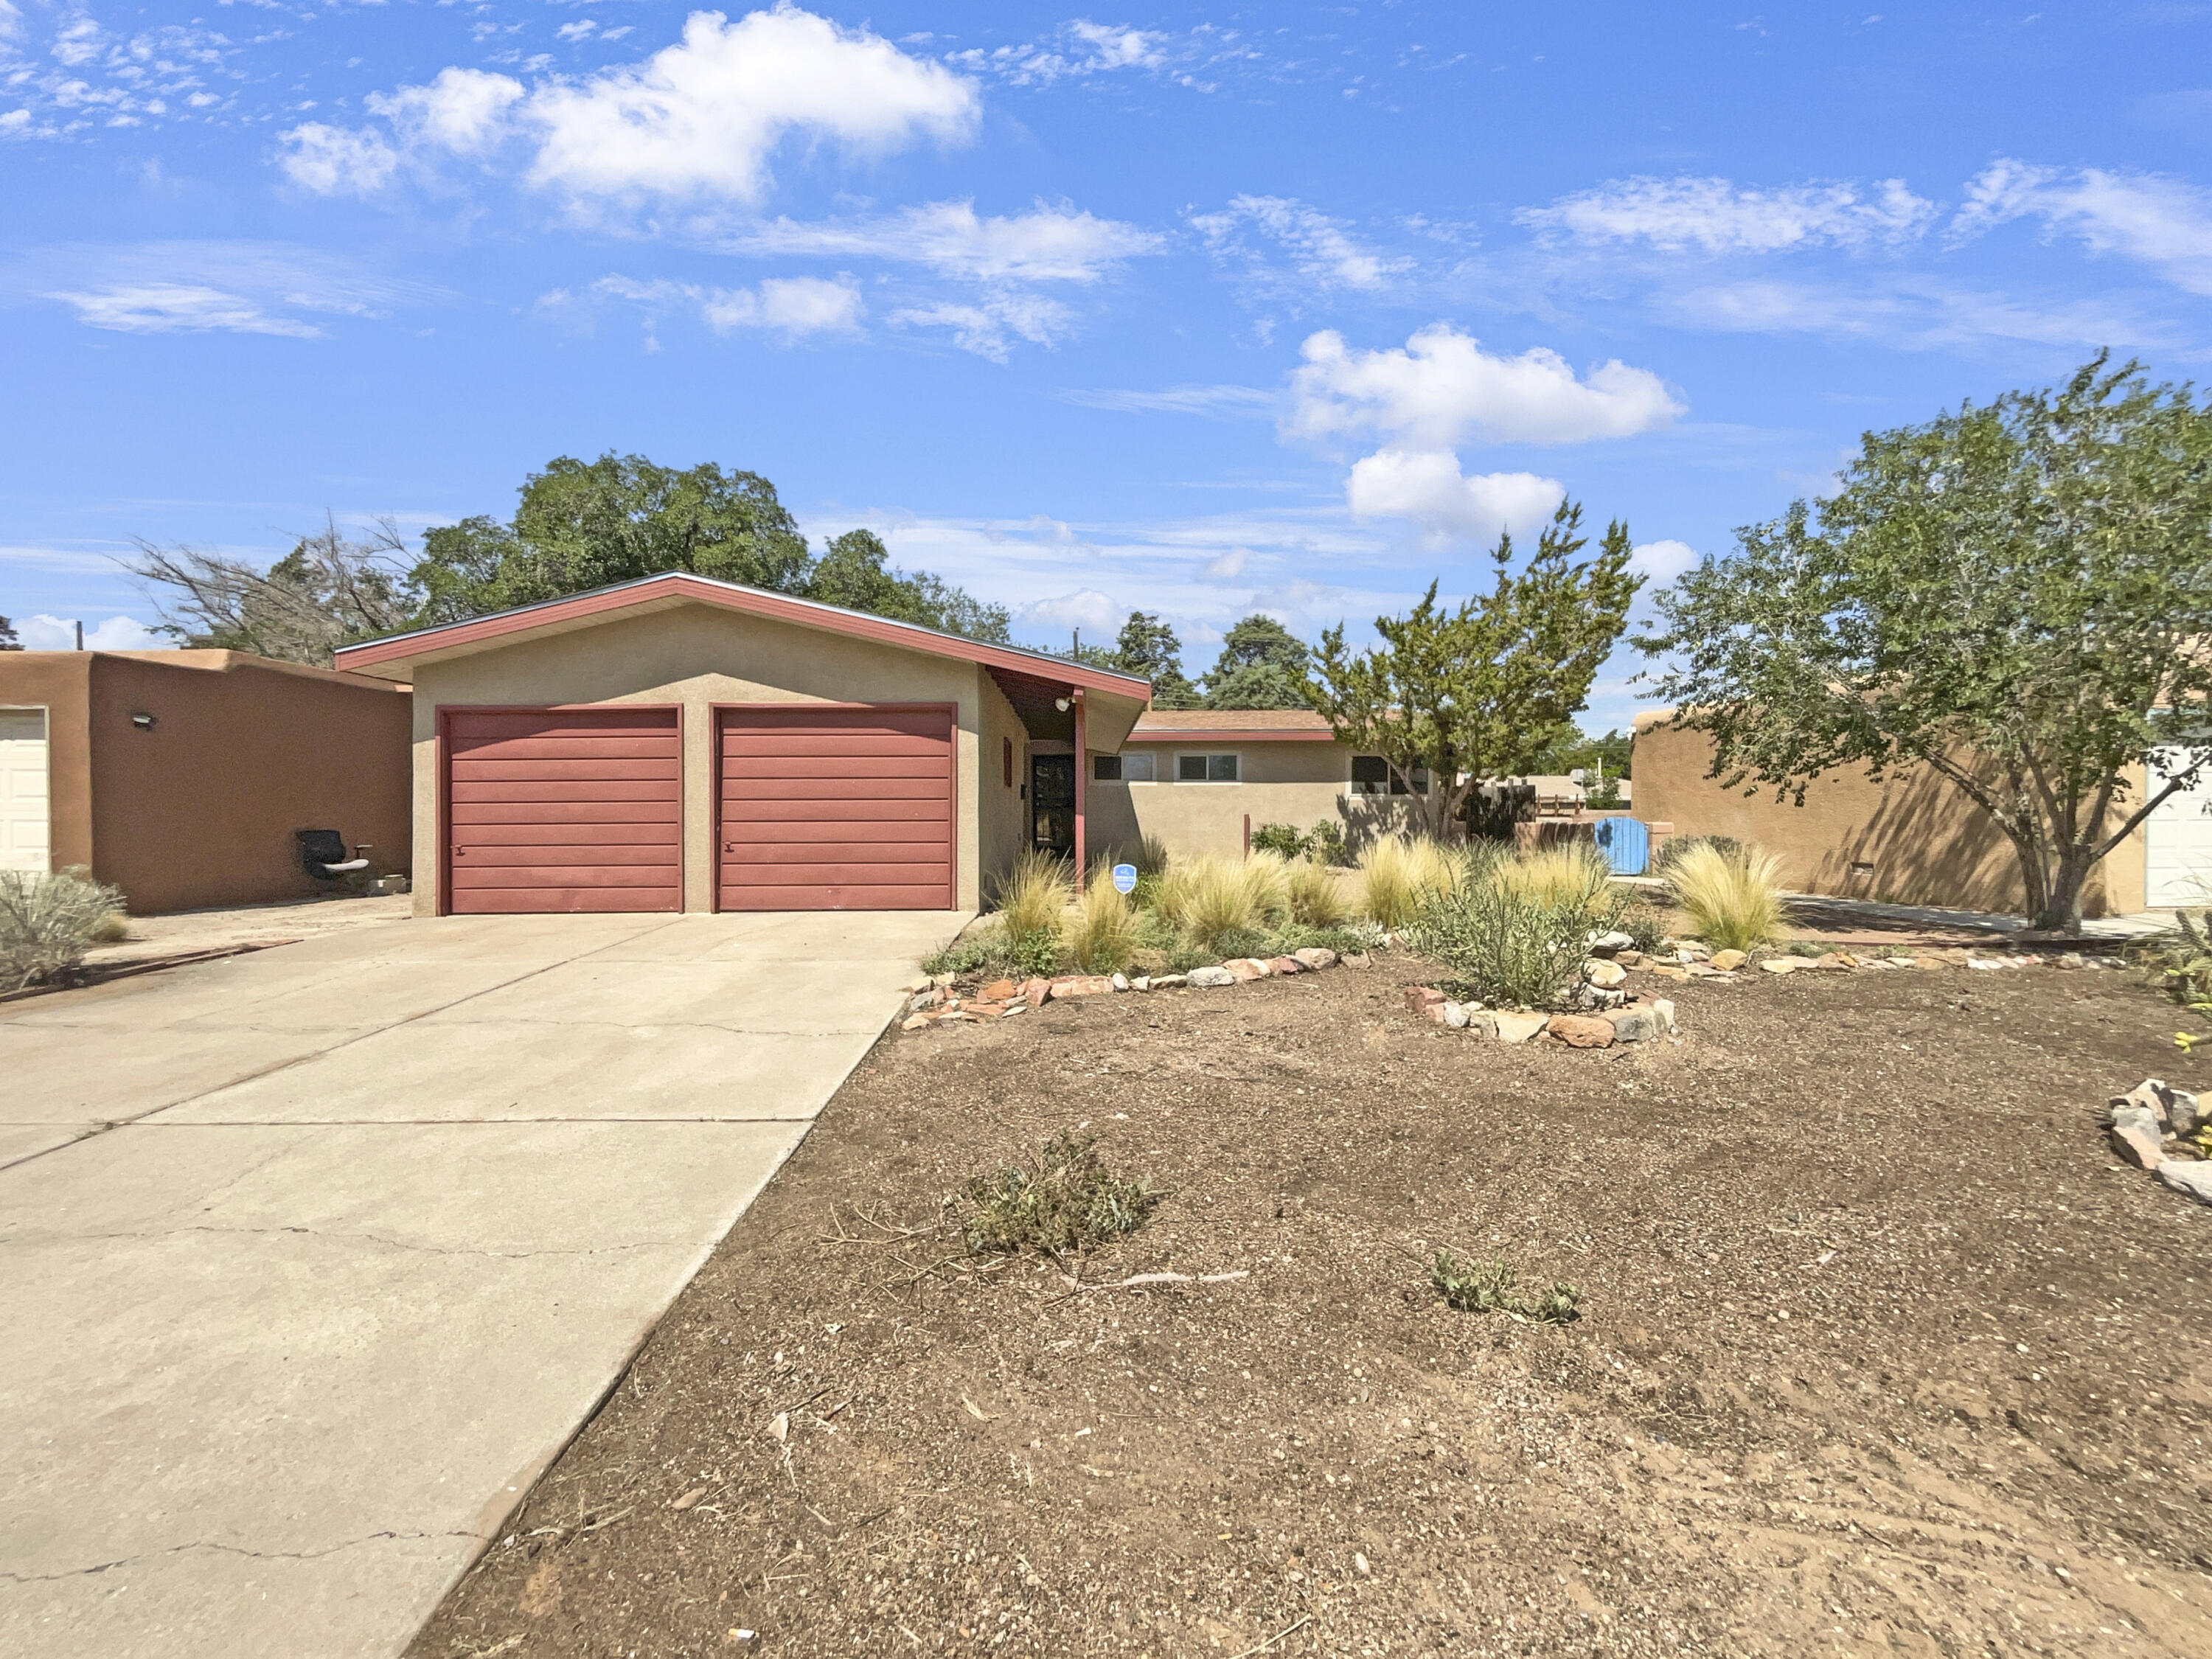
(229, 1549)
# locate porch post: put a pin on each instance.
(1082, 779)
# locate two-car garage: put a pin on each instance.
(817, 808)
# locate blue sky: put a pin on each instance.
(1204, 311)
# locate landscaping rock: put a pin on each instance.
(1035, 991)
(1080, 985)
(2182, 1112)
(1603, 974)
(915, 1022)
(1933, 964)
(1835, 961)
(1287, 965)
(1210, 976)
(2067, 959)
(1680, 975)
(2189, 1176)
(1780, 965)
(1169, 981)
(1316, 956)
(928, 999)
(1434, 1013)
(2136, 1137)
(1481, 1022)
(1606, 944)
(1728, 960)
(1635, 1024)
(1454, 1016)
(1602, 1000)
(918, 984)
(1000, 990)
(941, 980)
(1631, 958)
(1120, 982)
(1420, 999)
(1142, 982)
(1356, 959)
(1517, 1028)
(1581, 1030)
(1247, 969)
(2149, 1095)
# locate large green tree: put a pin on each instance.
(855, 571)
(1148, 648)
(2017, 597)
(1480, 691)
(1262, 665)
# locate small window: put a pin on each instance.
(1372, 776)
(1138, 769)
(1206, 768)
(1106, 768)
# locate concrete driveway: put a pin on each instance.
(311, 1260)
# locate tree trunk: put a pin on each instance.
(2061, 912)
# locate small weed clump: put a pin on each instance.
(1069, 1201)
(48, 922)
(1474, 1286)
(1646, 927)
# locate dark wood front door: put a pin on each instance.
(1052, 804)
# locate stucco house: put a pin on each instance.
(680, 744)
(182, 776)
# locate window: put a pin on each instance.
(1207, 769)
(1121, 768)
(1370, 775)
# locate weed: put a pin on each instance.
(1474, 1286)
(992, 952)
(1733, 901)
(1398, 875)
(1069, 1201)
(1103, 931)
(48, 922)
(2185, 959)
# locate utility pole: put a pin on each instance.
(80, 635)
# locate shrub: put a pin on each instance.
(1033, 895)
(1675, 847)
(1733, 901)
(993, 953)
(48, 922)
(1315, 896)
(1645, 926)
(1398, 874)
(1069, 1201)
(2185, 957)
(1517, 935)
(1489, 1287)
(1103, 931)
(1213, 901)
(1323, 843)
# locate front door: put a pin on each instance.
(1052, 804)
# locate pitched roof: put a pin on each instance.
(673, 587)
(1222, 725)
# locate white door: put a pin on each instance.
(2178, 843)
(24, 804)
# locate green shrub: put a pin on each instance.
(1516, 936)
(48, 922)
(1474, 1286)
(2184, 958)
(992, 952)
(1068, 1201)
(1323, 843)
(1734, 901)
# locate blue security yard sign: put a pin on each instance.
(1125, 878)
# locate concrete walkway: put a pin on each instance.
(311, 1260)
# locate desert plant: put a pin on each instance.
(1069, 1201)
(1474, 1286)
(2184, 958)
(1398, 874)
(1733, 903)
(1675, 847)
(1032, 895)
(1103, 931)
(1563, 875)
(1515, 936)
(48, 922)
(1645, 926)
(992, 952)
(1209, 898)
(1318, 898)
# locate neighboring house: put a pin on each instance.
(1199, 780)
(1913, 839)
(181, 776)
(680, 744)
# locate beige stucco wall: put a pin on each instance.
(1002, 808)
(695, 656)
(1298, 783)
(1915, 838)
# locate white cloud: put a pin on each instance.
(1661, 562)
(1916, 313)
(1427, 486)
(1086, 609)
(1443, 389)
(1081, 48)
(792, 307)
(2161, 223)
(1222, 403)
(989, 325)
(1716, 215)
(1046, 245)
(1226, 565)
(338, 160)
(697, 122)
(177, 307)
(11, 22)
(43, 632)
(1319, 250)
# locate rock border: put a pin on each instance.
(930, 1002)
(2141, 1122)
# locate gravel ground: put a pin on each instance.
(1880, 1354)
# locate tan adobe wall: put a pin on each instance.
(1298, 783)
(59, 682)
(200, 810)
(1912, 839)
(1002, 808)
(695, 656)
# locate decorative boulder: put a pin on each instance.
(1081, 985)
(1246, 967)
(2135, 1136)
(1000, 990)
(1781, 964)
(1603, 974)
(1606, 944)
(1454, 1016)
(1581, 1030)
(1287, 965)
(1420, 999)
(1316, 956)
(2189, 1176)
(1517, 1028)
(1635, 1024)
(1211, 976)
(1728, 960)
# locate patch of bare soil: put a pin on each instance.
(1880, 1354)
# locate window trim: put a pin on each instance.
(1210, 756)
(1423, 781)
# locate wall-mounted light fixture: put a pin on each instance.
(1061, 704)
(143, 722)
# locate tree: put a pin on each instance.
(329, 591)
(2017, 597)
(1148, 648)
(1262, 665)
(854, 571)
(1573, 749)
(9, 639)
(1477, 692)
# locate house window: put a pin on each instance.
(1121, 768)
(1207, 769)
(1370, 775)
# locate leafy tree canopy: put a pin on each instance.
(9, 639)
(2017, 596)
(1572, 749)
(1262, 665)
(1480, 691)
(1148, 648)
(854, 571)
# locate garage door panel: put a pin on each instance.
(564, 810)
(835, 809)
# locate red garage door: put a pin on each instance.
(564, 810)
(836, 809)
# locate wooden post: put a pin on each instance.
(1247, 835)
(1082, 780)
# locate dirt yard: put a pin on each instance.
(1880, 1354)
